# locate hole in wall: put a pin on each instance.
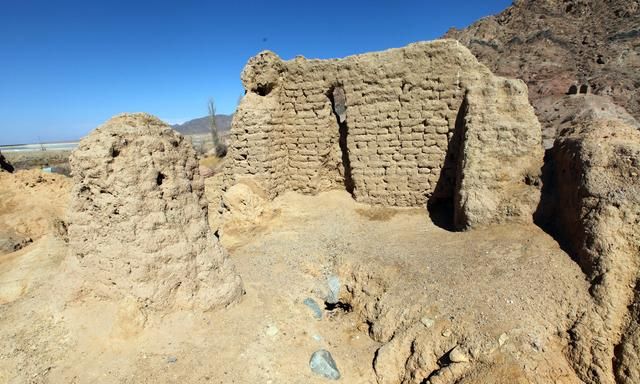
(338, 100)
(263, 89)
(572, 90)
(160, 178)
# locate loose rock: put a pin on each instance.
(272, 330)
(503, 339)
(315, 308)
(323, 364)
(427, 322)
(456, 355)
(334, 290)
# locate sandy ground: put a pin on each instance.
(52, 333)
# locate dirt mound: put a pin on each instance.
(138, 218)
(558, 47)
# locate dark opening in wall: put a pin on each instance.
(572, 90)
(263, 89)
(160, 178)
(339, 104)
(584, 89)
(441, 203)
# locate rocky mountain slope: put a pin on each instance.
(556, 44)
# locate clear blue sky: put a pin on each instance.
(67, 66)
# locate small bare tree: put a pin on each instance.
(218, 145)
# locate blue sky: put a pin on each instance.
(67, 66)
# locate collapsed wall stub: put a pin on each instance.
(380, 125)
(138, 219)
(591, 203)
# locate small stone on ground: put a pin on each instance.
(272, 330)
(323, 364)
(317, 311)
(334, 289)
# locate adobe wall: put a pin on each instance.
(378, 124)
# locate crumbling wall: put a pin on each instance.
(500, 156)
(378, 125)
(138, 219)
(592, 203)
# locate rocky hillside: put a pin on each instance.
(555, 44)
(201, 125)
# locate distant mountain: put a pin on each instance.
(201, 125)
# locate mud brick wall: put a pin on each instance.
(380, 125)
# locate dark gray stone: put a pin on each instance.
(323, 364)
(315, 308)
